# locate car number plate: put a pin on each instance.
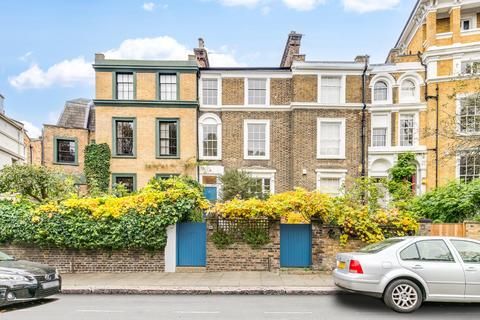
(341, 265)
(51, 284)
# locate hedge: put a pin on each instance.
(300, 206)
(135, 221)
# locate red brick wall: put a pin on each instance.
(83, 261)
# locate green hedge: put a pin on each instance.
(136, 221)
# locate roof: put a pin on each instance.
(146, 64)
(77, 113)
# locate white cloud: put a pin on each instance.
(26, 56)
(303, 5)
(78, 71)
(240, 3)
(363, 6)
(32, 130)
(163, 47)
(66, 73)
(148, 6)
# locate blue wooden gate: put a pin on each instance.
(295, 245)
(191, 244)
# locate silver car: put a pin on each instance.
(407, 271)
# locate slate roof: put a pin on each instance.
(78, 113)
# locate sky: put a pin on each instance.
(47, 47)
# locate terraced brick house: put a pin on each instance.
(443, 80)
(13, 139)
(298, 124)
(146, 111)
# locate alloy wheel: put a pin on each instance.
(404, 296)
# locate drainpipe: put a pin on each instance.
(196, 127)
(364, 117)
(436, 98)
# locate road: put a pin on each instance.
(337, 307)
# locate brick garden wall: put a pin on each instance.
(240, 257)
(69, 261)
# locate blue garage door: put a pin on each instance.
(295, 245)
(191, 244)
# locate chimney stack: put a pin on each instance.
(2, 107)
(292, 49)
(99, 57)
(201, 54)
(363, 59)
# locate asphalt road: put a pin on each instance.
(120, 307)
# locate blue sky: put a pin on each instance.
(48, 46)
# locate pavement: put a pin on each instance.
(211, 307)
(205, 283)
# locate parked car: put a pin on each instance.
(407, 271)
(24, 281)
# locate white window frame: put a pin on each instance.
(472, 17)
(388, 140)
(201, 121)
(415, 129)
(459, 99)
(267, 91)
(245, 139)
(263, 174)
(457, 166)
(343, 85)
(219, 89)
(341, 155)
(340, 174)
(408, 99)
(389, 81)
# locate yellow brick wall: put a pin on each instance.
(443, 25)
(103, 85)
(449, 142)
(146, 86)
(354, 89)
(455, 14)
(416, 44)
(394, 127)
(431, 32)
(280, 91)
(145, 165)
(50, 132)
(233, 91)
(305, 88)
(188, 86)
(445, 67)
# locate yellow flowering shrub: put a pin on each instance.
(300, 206)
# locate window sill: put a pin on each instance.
(167, 157)
(124, 157)
(210, 158)
(256, 158)
(66, 163)
(331, 158)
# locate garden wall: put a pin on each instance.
(84, 261)
(240, 257)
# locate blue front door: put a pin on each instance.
(295, 245)
(210, 193)
(191, 244)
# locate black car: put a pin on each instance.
(25, 281)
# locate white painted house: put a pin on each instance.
(12, 139)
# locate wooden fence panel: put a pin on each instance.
(448, 229)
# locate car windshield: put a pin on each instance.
(379, 246)
(5, 257)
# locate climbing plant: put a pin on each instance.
(97, 166)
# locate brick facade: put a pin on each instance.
(305, 88)
(84, 261)
(280, 91)
(233, 92)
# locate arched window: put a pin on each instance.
(408, 89)
(380, 91)
(210, 137)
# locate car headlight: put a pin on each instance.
(13, 277)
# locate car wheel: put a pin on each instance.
(403, 296)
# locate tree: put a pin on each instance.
(238, 184)
(37, 182)
(97, 167)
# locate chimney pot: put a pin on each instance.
(201, 43)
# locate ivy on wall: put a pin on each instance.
(97, 166)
